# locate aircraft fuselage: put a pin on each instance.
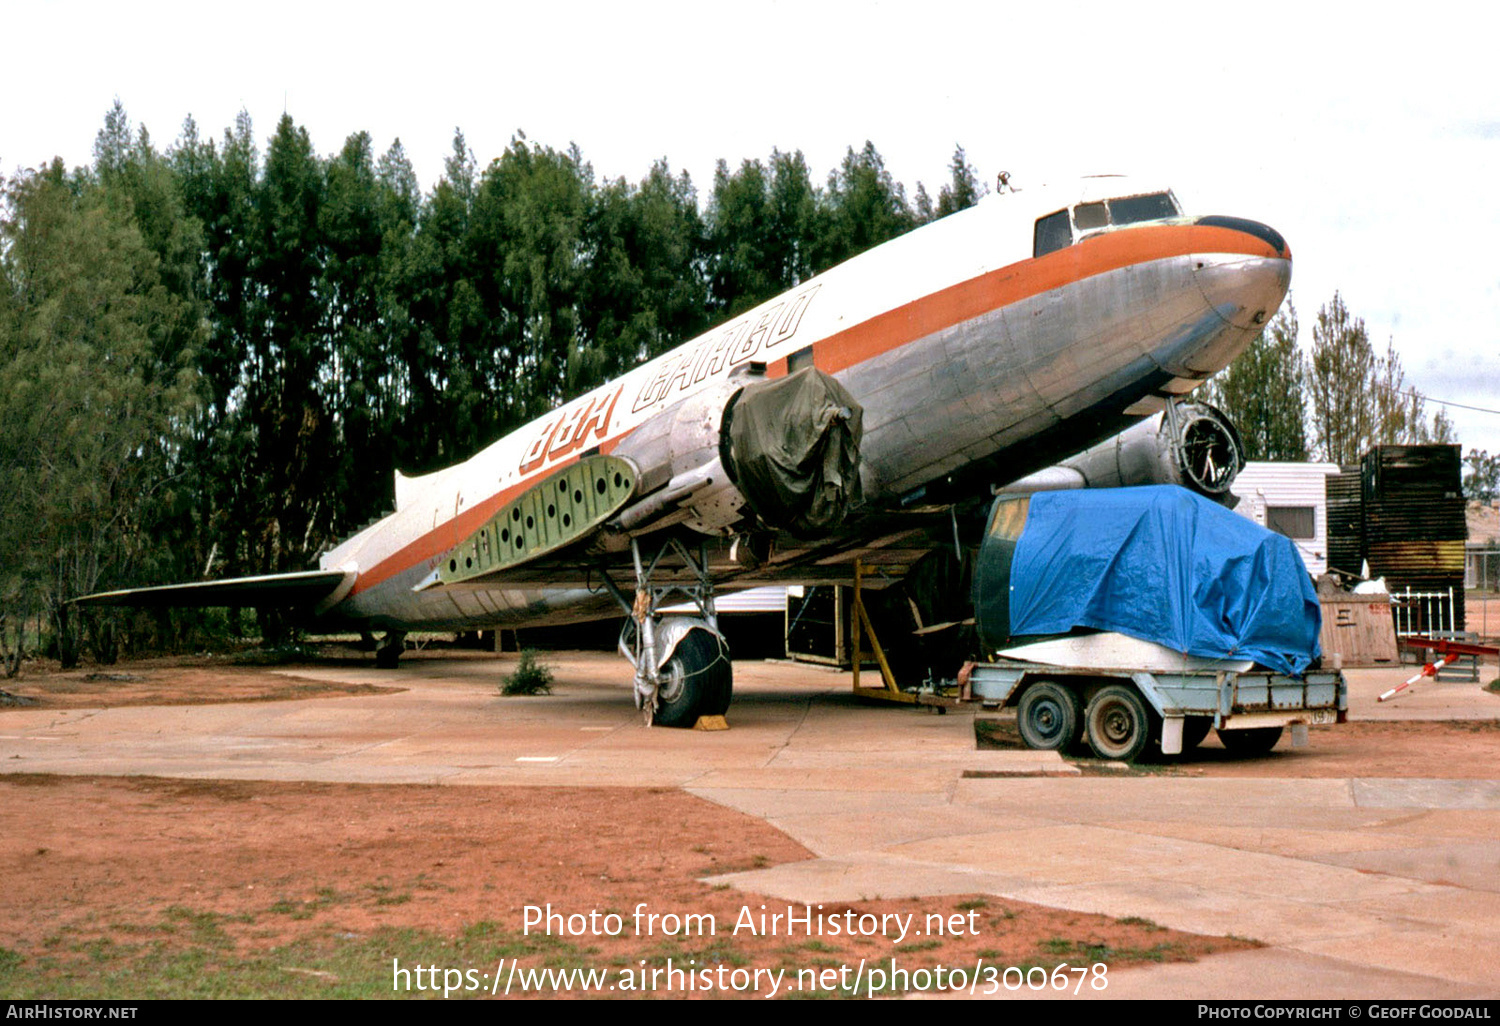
(982, 347)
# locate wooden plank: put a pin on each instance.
(1360, 629)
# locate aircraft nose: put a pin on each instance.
(1245, 281)
(1270, 236)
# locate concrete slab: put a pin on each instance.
(1270, 974)
(1376, 793)
(1473, 865)
(1269, 839)
(834, 834)
(1427, 699)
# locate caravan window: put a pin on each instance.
(1296, 522)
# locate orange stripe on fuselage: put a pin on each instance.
(1019, 281)
(895, 328)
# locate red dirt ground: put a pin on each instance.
(115, 858)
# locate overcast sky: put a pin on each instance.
(1373, 146)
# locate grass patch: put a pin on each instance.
(1092, 951)
(204, 928)
(326, 966)
(927, 945)
(531, 677)
(323, 898)
(277, 655)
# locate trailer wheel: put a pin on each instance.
(1255, 741)
(1194, 730)
(1049, 716)
(1119, 724)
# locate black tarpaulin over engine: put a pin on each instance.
(793, 449)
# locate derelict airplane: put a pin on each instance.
(835, 422)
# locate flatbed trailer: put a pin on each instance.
(1124, 713)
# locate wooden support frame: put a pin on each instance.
(858, 620)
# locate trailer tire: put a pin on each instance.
(1194, 730)
(1119, 723)
(1255, 741)
(1049, 716)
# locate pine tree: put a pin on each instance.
(90, 417)
(1343, 367)
(863, 207)
(963, 189)
(1262, 392)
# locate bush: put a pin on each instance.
(530, 678)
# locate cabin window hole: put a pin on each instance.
(1052, 233)
(1090, 215)
(1156, 206)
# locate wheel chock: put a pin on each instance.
(711, 723)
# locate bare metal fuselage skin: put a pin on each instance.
(971, 358)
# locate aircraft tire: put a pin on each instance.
(722, 674)
(1255, 741)
(1049, 717)
(697, 681)
(1119, 723)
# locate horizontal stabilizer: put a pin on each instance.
(303, 588)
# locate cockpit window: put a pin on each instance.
(1052, 233)
(1151, 207)
(1090, 215)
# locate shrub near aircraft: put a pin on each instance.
(839, 421)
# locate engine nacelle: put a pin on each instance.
(1194, 445)
(680, 471)
(785, 450)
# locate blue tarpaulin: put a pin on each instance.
(1166, 565)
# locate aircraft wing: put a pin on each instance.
(302, 588)
(889, 543)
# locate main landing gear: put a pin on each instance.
(391, 647)
(682, 669)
